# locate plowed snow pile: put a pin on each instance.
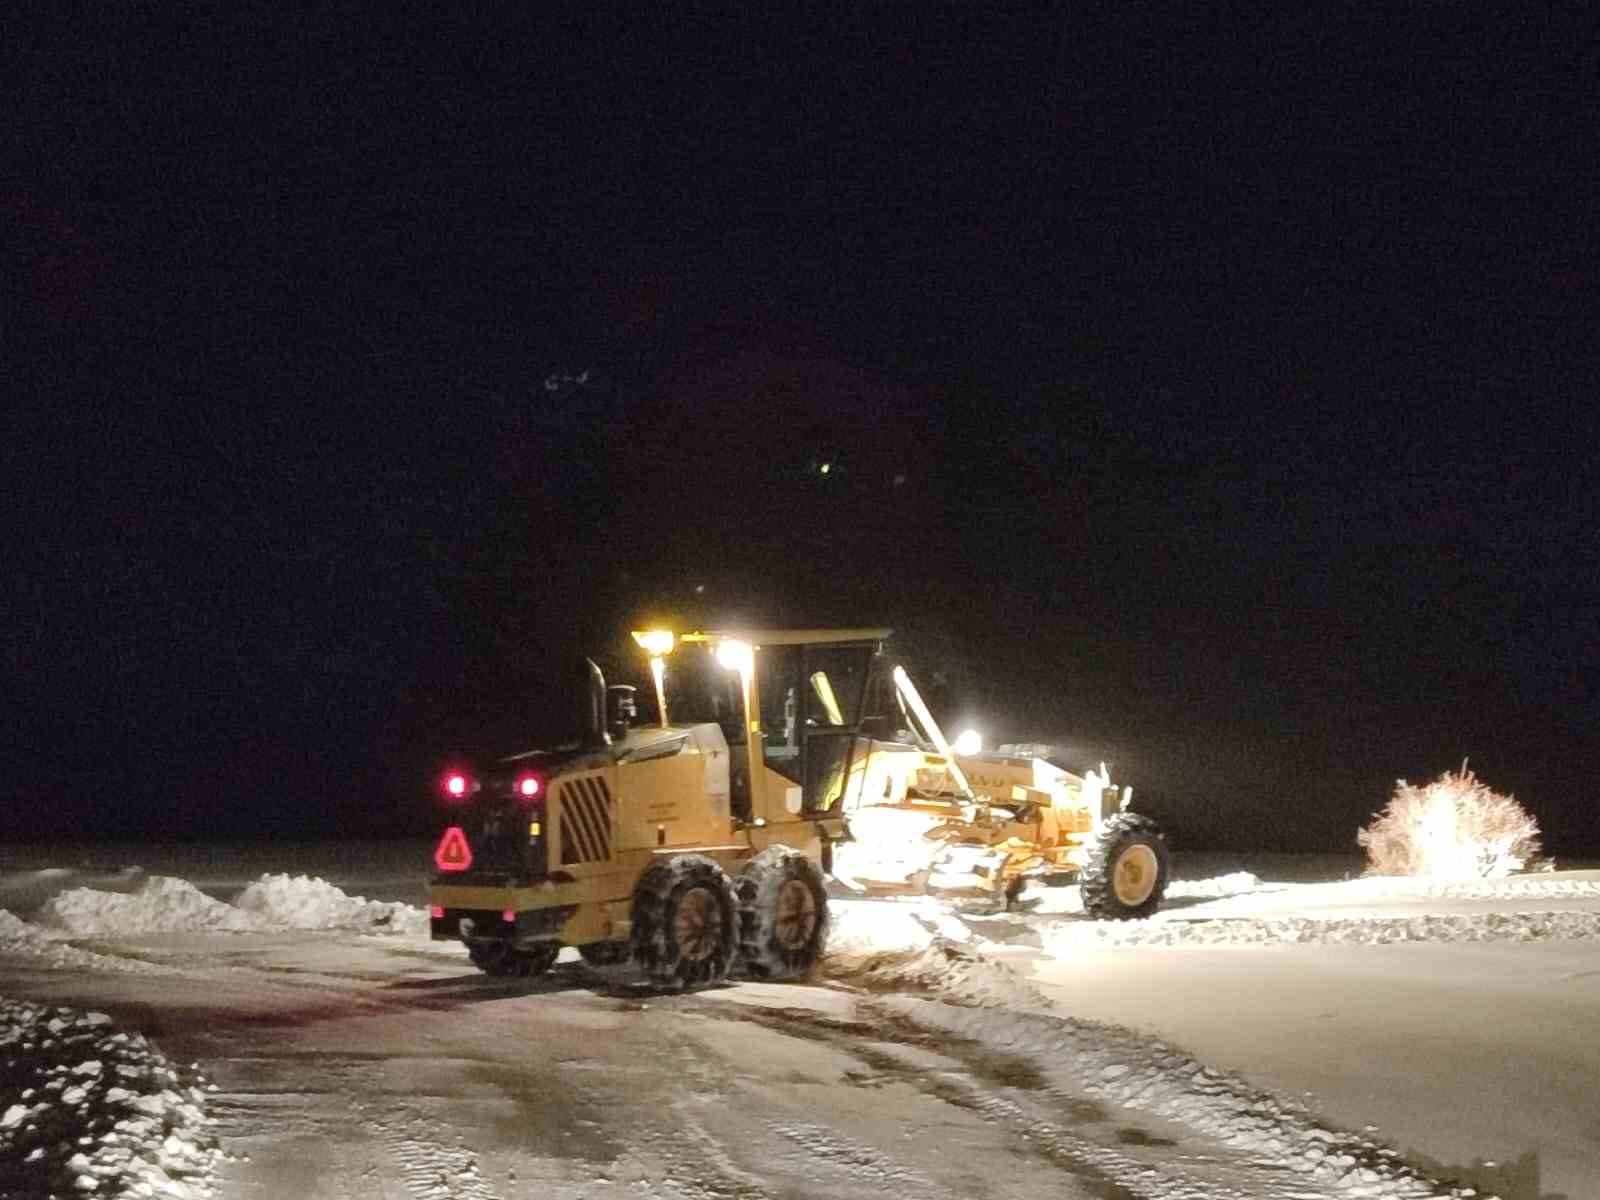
(161, 905)
(167, 905)
(88, 1110)
(1233, 884)
(1061, 940)
(893, 947)
(300, 902)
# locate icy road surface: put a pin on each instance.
(1253, 1033)
(354, 1066)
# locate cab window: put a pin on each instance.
(778, 682)
(836, 676)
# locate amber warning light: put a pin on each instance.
(453, 853)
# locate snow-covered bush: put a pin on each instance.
(1453, 828)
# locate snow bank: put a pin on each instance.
(162, 905)
(893, 947)
(87, 1109)
(302, 902)
(1064, 939)
(1233, 884)
(1069, 900)
(273, 902)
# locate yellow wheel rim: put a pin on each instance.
(697, 925)
(1134, 877)
(795, 919)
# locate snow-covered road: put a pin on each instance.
(351, 1066)
(1256, 1031)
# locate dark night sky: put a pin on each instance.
(1213, 397)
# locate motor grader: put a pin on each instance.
(698, 843)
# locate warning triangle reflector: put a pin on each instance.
(453, 853)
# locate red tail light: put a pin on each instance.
(453, 853)
(456, 785)
(529, 786)
(436, 912)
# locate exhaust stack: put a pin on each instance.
(592, 733)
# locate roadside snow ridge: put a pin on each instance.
(1064, 938)
(303, 902)
(162, 904)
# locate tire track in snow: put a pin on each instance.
(1062, 939)
(1275, 1146)
(432, 1169)
(860, 1162)
(1494, 889)
(1298, 1155)
(995, 1086)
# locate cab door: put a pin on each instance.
(811, 700)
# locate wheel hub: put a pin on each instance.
(795, 916)
(1135, 875)
(697, 925)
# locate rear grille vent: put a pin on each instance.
(584, 808)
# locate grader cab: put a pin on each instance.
(693, 844)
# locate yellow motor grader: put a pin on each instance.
(698, 843)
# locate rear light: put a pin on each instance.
(437, 912)
(456, 784)
(529, 786)
(453, 853)
(509, 916)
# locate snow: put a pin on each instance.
(1064, 939)
(19, 939)
(1142, 1072)
(160, 905)
(984, 1001)
(301, 902)
(1006, 980)
(163, 904)
(88, 1108)
(1231, 884)
(1042, 982)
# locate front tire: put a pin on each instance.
(505, 961)
(1126, 875)
(783, 914)
(685, 922)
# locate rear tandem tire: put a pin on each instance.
(685, 922)
(1126, 875)
(783, 914)
(506, 961)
